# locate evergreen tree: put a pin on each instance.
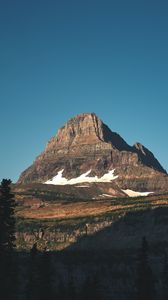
(7, 242)
(7, 218)
(71, 291)
(61, 291)
(40, 280)
(32, 288)
(165, 279)
(46, 290)
(92, 289)
(145, 280)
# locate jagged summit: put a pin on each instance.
(86, 129)
(85, 144)
(81, 128)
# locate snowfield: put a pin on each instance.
(131, 193)
(60, 180)
(105, 195)
(84, 178)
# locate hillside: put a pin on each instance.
(57, 221)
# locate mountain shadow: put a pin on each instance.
(126, 232)
(99, 266)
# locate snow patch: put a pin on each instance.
(105, 195)
(82, 186)
(131, 193)
(60, 180)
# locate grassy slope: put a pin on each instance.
(63, 219)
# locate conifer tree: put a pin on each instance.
(71, 291)
(7, 241)
(92, 289)
(46, 290)
(7, 219)
(40, 279)
(145, 279)
(32, 290)
(165, 278)
(61, 291)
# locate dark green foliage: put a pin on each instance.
(92, 289)
(39, 285)
(33, 278)
(61, 291)
(7, 219)
(8, 274)
(165, 278)
(145, 280)
(46, 290)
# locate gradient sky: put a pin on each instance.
(61, 58)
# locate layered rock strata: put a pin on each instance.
(86, 143)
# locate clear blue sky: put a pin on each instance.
(61, 58)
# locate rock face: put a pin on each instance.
(86, 143)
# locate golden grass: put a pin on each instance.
(82, 209)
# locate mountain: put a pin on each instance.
(86, 150)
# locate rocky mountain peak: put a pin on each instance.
(86, 129)
(83, 128)
(85, 144)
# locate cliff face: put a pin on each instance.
(86, 143)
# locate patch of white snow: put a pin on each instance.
(60, 180)
(131, 193)
(105, 195)
(82, 186)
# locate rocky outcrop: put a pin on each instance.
(86, 143)
(60, 237)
